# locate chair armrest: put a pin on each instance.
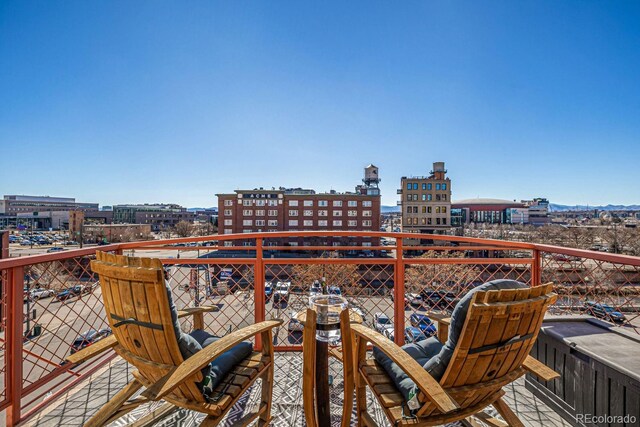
(440, 317)
(444, 321)
(425, 382)
(196, 310)
(203, 357)
(93, 350)
(539, 369)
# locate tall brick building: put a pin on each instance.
(296, 209)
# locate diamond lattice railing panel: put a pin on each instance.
(440, 286)
(229, 286)
(366, 287)
(65, 301)
(609, 291)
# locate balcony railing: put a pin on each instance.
(38, 332)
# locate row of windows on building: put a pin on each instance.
(321, 203)
(291, 243)
(296, 223)
(426, 186)
(426, 221)
(295, 212)
(426, 209)
(426, 197)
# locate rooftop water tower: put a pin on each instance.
(438, 171)
(371, 180)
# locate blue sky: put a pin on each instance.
(120, 102)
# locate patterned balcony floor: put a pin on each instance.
(76, 406)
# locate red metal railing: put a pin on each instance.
(37, 334)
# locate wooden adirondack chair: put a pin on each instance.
(137, 306)
(492, 351)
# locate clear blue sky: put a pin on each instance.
(120, 102)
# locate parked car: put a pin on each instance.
(36, 294)
(439, 299)
(381, 322)
(406, 300)
(423, 323)
(25, 242)
(334, 290)
(316, 289)
(281, 293)
(87, 338)
(55, 249)
(71, 292)
(295, 325)
(414, 299)
(413, 334)
(268, 291)
(604, 311)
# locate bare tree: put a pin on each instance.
(184, 229)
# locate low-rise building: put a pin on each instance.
(158, 216)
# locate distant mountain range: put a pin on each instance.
(562, 208)
(199, 209)
(388, 209)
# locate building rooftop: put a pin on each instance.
(486, 201)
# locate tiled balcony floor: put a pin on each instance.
(75, 407)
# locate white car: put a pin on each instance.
(38, 293)
(381, 322)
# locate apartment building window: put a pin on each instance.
(227, 212)
(437, 197)
(293, 223)
(444, 186)
(366, 213)
(228, 231)
(428, 221)
(337, 203)
(322, 223)
(228, 202)
(437, 221)
(323, 203)
(444, 209)
(247, 230)
(424, 185)
(366, 203)
(228, 222)
(437, 187)
(337, 213)
(444, 221)
(308, 213)
(247, 212)
(247, 222)
(259, 222)
(293, 203)
(409, 186)
(423, 221)
(415, 185)
(429, 209)
(308, 223)
(415, 197)
(323, 213)
(352, 203)
(293, 212)
(272, 203)
(424, 197)
(246, 202)
(424, 209)
(337, 223)
(260, 212)
(260, 202)
(352, 213)
(307, 202)
(437, 209)
(272, 222)
(444, 197)
(367, 223)
(409, 197)
(353, 223)
(429, 186)
(429, 197)
(409, 209)
(273, 213)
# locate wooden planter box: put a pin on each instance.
(599, 367)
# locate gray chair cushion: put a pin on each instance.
(187, 344)
(437, 363)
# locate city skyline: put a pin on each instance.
(112, 104)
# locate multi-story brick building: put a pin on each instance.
(296, 209)
(426, 202)
(159, 216)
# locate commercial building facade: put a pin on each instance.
(39, 212)
(426, 202)
(297, 209)
(159, 216)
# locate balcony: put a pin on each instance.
(38, 388)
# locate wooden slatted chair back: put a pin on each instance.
(137, 308)
(499, 331)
